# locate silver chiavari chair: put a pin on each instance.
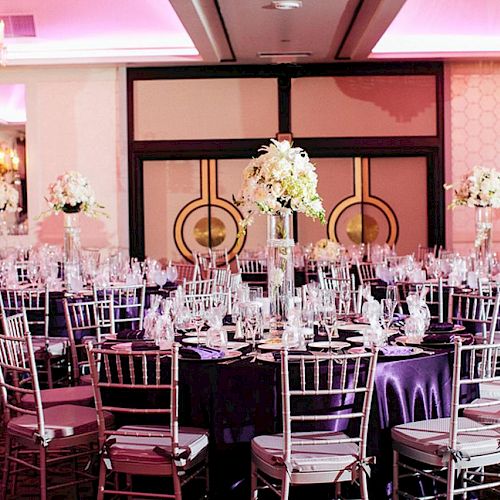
(39, 435)
(50, 352)
(310, 457)
(144, 449)
(454, 451)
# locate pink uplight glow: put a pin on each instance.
(100, 29)
(12, 103)
(457, 27)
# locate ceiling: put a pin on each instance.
(164, 32)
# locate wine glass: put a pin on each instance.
(172, 273)
(329, 321)
(391, 295)
(198, 317)
(345, 297)
(160, 277)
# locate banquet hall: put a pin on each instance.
(248, 249)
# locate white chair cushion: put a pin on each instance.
(490, 389)
(156, 448)
(56, 346)
(85, 379)
(60, 422)
(485, 414)
(81, 395)
(307, 458)
(432, 436)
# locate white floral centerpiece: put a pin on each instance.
(326, 249)
(478, 188)
(9, 197)
(71, 193)
(280, 181)
(281, 178)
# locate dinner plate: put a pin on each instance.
(395, 354)
(363, 328)
(275, 346)
(268, 357)
(436, 345)
(230, 344)
(122, 347)
(354, 327)
(415, 351)
(230, 354)
(324, 344)
(356, 340)
(194, 334)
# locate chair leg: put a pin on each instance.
(102, 480)
(450, 486)
(43, 473)
(128, 485)
(5, 469)
(50, 380)
(395, 475)
(363, 485)
(254, 492)
(285, 485)
(13, 471)
(177, 483)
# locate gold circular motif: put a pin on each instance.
(217, 232)
(362, 226)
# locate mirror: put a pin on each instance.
(13, 152)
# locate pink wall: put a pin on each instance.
(75, 121)
(472, 136)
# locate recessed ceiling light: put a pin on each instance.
(287, 4)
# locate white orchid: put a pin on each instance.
(282, 177)
(9, 197)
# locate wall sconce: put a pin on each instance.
(9, 160)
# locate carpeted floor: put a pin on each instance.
(27, 488)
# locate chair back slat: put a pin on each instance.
(128, 304)
(347, 378)
(18, 376)
(34, 300)
(147, 371)
(473, 364)
(478, 313)
(86, 318)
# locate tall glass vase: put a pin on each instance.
(484, 233)
(280, 269)
(71, 248)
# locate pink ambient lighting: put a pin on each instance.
(12, 103)
(456, 27)
(101, 30)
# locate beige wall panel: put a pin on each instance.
(219, 108)
(168, 186)
(335, 182)
(230, 180)
(363, 106)
(402, 184)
